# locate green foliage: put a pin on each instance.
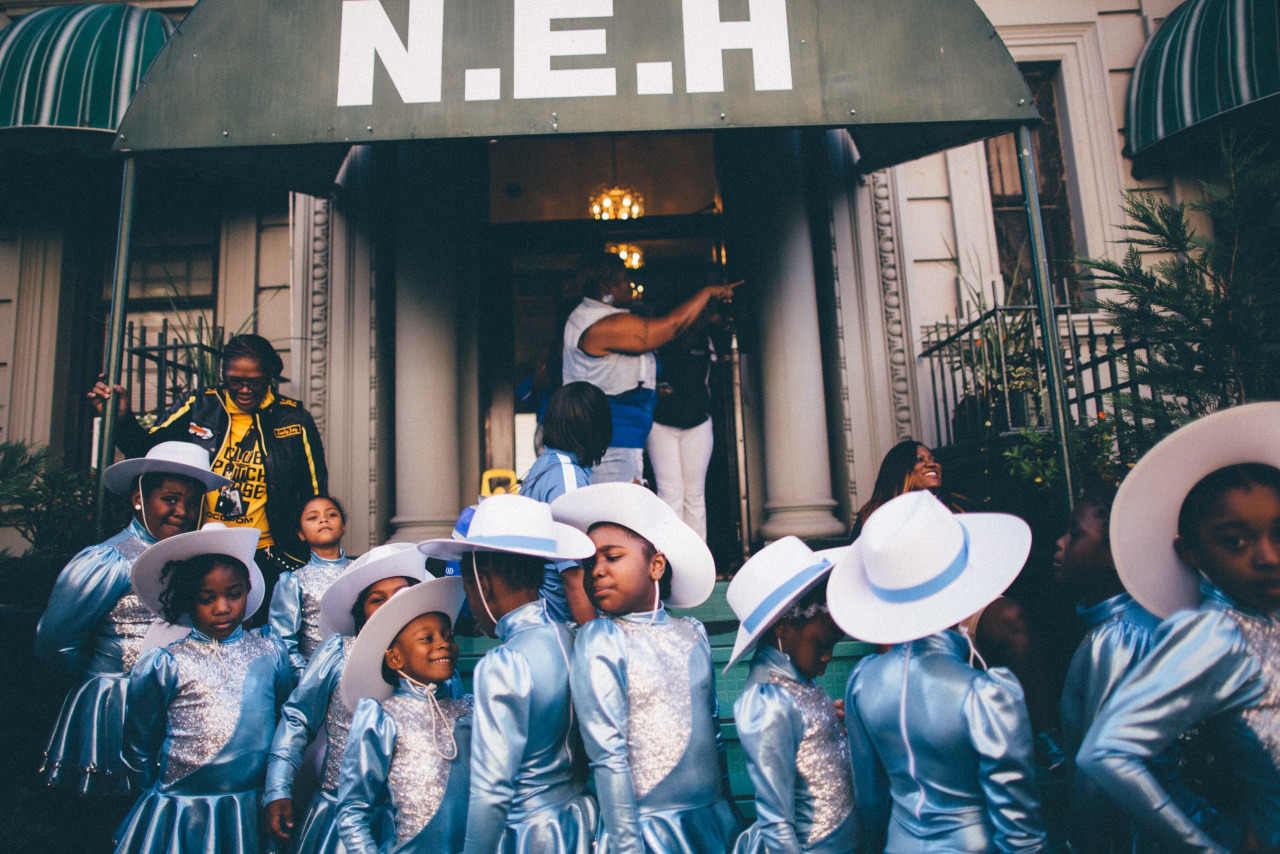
(51, 508)
(1209, 310)
(1032, 457)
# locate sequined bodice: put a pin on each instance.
(129, 620)
(337, 723)
(206, 706)
(823, 756)
(419, 773)
(1263, 719)
(660, 710)
(313, 581)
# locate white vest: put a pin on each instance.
(613, 374)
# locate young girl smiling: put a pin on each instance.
(406, 745)
(202, 709)
(295, 602)
(94, 623)
(347, 605)
(1195, 531)
(795, 745)
(642, 681)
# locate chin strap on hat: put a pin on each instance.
(656, 601)
(963, 629)
(476, 572)
(436, 712)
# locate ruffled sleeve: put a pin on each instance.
(870, 780)
(598, 681)
(363, 780)
(500, 722)
(1113, 653)
(152, 684)
(771, 729)
(87, 588)
(996, 714)
(302, 716)
(1200, 668)
(285, 616)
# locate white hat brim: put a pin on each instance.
(998, 548)
(120, 477)
(1144, 515)
(240, 543)
(362, 675)
(570, 544)
(693, 569)
(340, 598)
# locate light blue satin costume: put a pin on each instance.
(553, 474)
(1119, 633)
(93, 629)
(967, 783)
(392, 754)
(798, 759)
(201, 714)
(295, 605)
(645, 697)
(1218, 667)
(528, 795)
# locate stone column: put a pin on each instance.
(796, 455)
(427, 470)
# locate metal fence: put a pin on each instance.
(987, 374)
(163, 364)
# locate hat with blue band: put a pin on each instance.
(918, 568)
(515, 524)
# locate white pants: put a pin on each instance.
(680, 459)
(619, 465)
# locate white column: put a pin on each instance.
(796, 455)
(427, 441)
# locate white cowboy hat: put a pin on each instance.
(182, 458)
(693, 569)
(213, 538)
(362, 676)
(515, 524)
(918, 568)
(386, 561)
(1144, 516)
(773, 580)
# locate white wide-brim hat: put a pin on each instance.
(693, 569)
(362, 675)
(1144, 516)
(391, 560)
(182, 458)
(769, 583)
(213, 538)
(918, 568)
(515, 524)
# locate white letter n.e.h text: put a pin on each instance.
(414, 67)
(764, 34)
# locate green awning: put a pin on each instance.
(276, 84)
(1211, 65)
(76, 67)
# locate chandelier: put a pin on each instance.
(616, 201)
(631, 255)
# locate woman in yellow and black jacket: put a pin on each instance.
(266, 444)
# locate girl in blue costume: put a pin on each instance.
(793, 738)
(1195, 531)
(642, 680)
(295, 602)
(528, 795)
(347, 605)
(577, 431)
(94, 624)
(941, 751)
(202, 709)
(406, 746)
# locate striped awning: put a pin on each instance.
(1211, 65)
(76, 66)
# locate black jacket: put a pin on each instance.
(294, 457)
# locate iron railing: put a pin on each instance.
(162, 365)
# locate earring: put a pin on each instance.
(137, 507)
